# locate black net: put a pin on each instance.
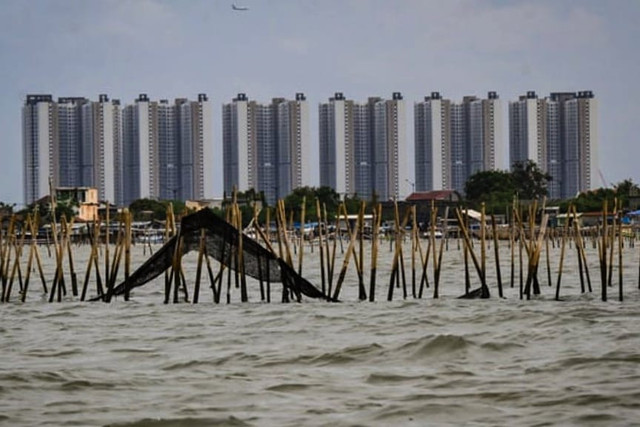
(222, 243)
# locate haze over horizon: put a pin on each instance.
(363, 48)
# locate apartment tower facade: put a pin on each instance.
(363, 147)
(560, 134)
(167, 149)
(71, 142)
(456, 140)
(266, 147)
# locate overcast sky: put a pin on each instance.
(363, 48)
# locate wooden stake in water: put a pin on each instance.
(603, 253)
(127, 253)
(562, 249)
(321, 249)
(612, 239)
(496, 254)
(377, 216)
(362, 293)
(476, 263)
(302, 232)
(201, 251)
(620, 271)
(17, 246)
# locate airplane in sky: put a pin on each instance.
(240, 8)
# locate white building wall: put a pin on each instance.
(405, 166)
(437, 152)
(307, 177)
(594, 146)
(533, 149)
(208, 155)
(144, 141)
(106, 145)
(242, 126)
(500, 155)
(45, 150)
(340, 146)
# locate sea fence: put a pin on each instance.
(351, 242)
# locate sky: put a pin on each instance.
(363, 48)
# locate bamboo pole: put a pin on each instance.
(244, 297)
(72, 272)
(2, 254)
(345, 261)
(612, 245)
(302, 230)
(127, 253)
(562, 249)
(396, 254)
(377, 216)
(57, 281)
(534, 256)
(321, 249)
(497, 256)
(476, 263)
(331, 264)
(168, 276)
(107, 278)
(548, 258)
(603, 252)
(442, 241)
(16, 265)
(201, 250)
(414, 243)
(435, 258)
(6, 261)
(92, 255)
(256, 227)
(582, 253)
(29, 226)
(362, 293)
(620, 270)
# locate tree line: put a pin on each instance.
(496, 189)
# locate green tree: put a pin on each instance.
(530, 181)
(493, 188)
(327, 196)
(626, 189)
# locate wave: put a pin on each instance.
(397, 379)
(183, 422)
(52, 353)
(436, 346)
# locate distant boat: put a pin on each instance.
(239, 8)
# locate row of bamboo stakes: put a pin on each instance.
(526, 243)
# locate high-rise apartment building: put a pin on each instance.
(455, 140)
(139, 150)
(39, 137)
(266, 147)
(167, 149)
(432, 135)
(363, 147)
(559, 133)
(149, 149)
(101, 145)
(70, 142)
(195, 133)
(337, 143)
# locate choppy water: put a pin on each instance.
(406, 362)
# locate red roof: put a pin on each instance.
(433, 195)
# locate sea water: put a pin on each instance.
(445, 361)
